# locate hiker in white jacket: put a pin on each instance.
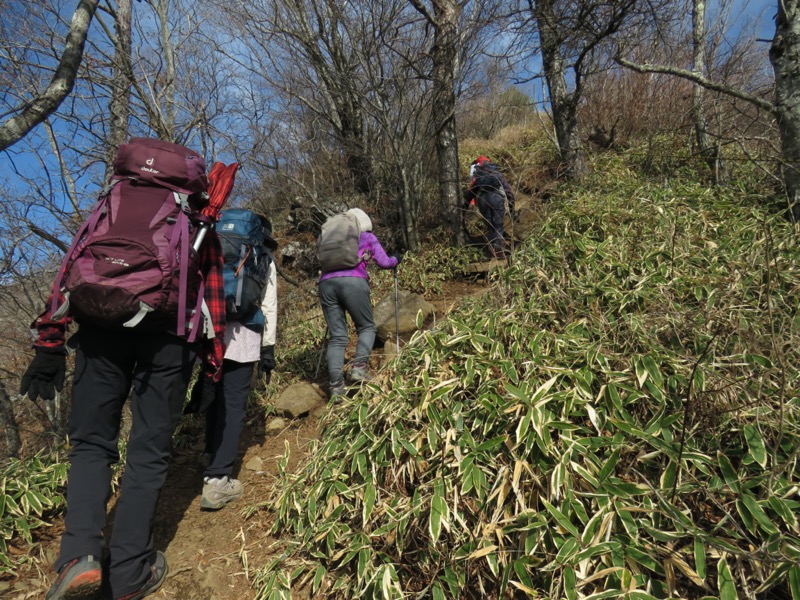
(247, 344)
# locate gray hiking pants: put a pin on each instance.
(350, 295)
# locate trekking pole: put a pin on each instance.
(396, 312)
(321, 352)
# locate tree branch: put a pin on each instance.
(699, 80)
(37, 110)
(421, 9)
(48, 237)
(286, 277)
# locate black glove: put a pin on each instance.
(399, 258)
(267, 362)
(203, 394)
(45, 375)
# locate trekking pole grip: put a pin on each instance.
(204, 224)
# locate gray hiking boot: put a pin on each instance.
(79, 578)
(158, 572)
(359, 372)
(219, 491)
(337, 390)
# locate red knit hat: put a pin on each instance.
(481, 160)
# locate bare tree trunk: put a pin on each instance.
(8, 423)
(122, 77)
(408, 207)
(710, 152)
(563, 103)
(445, 55)
(785, 58)
(167, 129)
(358, 160)
(41, 107)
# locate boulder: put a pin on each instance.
(389, 353)
(300, 257)
(409, 306)
(298, 400)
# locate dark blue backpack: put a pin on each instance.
(247, 259)
(487, 179)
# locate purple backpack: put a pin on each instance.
(132, 263)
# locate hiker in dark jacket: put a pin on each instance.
(154, 367)
(490, 191)
(347, 291)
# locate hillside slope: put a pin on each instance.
(615, 416)
(618, 418)
(215, 555)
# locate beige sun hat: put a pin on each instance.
(363, 219)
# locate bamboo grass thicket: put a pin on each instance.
(616, 418)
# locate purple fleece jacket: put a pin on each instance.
(367, 244)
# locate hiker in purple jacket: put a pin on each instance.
(347, 291)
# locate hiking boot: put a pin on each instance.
(158, 572)
(79, 578)
(338, 390)
(218, 491)
(359, 372)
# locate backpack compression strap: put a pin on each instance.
(178, 241)
(186, 244)
(244, 253)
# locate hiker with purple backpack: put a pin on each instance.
(147, 304)
(346, 247)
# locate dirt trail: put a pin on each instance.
(213, 555)
(210, 552)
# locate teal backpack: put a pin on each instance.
(244, 237)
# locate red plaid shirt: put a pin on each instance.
(211, 262)
(51, 335)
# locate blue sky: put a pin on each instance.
(760, 12)
(757, 15)
(750, 15)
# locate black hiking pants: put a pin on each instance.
(492, 207)
(155, 368)
(225, 417)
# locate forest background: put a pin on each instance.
(329, 104)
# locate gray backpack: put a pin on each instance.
(337, 246)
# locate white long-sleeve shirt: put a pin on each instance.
(242, 344)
